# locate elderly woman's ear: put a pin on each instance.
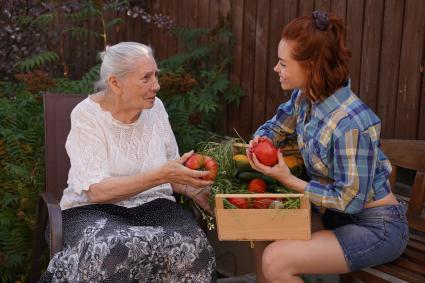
(114, 84)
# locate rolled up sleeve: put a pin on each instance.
(283, 123)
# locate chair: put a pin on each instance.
(57, 110)
(410, 266)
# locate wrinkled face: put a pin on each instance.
(139, 87)
(291, 74)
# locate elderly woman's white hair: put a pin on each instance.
(118, 60)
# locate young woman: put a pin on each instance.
(338, 137)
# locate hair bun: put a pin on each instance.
(321, 20)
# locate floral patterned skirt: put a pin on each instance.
(155, 242)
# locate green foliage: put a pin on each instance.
(85, 85)
(195, 84)
(37, 61)
(21, 178)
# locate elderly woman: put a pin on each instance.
(121, 221)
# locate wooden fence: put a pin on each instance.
(386, 37)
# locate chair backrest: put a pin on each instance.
(57, 123)
(409, 154)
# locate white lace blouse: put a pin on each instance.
(100, 146)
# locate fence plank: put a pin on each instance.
(354, 39)
(245, 112)
(162, 31)
(237, 28)
(322, 5)
(339, 8)
(370, 54)
(204, 13)
(225, 11)
(388, 79)
(410, 76)
(305, 7)
(261, 68)
(273, 90)
(421, 126)
(171, 39)
(214, 12)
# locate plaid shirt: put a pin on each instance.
(339, 141)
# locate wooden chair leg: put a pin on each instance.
(38, 241)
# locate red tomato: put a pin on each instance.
(195, 161)
(239, 202)
(211, 165)
(262, 202)
(257, 186)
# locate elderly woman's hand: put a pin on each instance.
(201, 196)
(176, 172)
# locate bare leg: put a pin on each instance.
(257, 253)
(283, 261)
(259, 247)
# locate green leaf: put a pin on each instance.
(37, 61)
(114, 22)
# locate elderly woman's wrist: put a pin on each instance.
(188, 191)
(156, 177)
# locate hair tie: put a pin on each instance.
(321, 20)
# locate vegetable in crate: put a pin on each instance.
(257, 186)
(262, 202)
(239, 202)
(241, 162)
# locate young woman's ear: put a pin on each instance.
(114, 84)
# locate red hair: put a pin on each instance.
(321, 51)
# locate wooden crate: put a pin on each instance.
(263, 224)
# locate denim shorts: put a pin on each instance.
(374, 236)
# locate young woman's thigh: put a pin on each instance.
(321, 255)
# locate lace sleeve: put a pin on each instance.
(87, 152)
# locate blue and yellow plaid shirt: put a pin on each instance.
(339, 141)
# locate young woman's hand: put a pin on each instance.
(175, 172)
(280, 171)
(255, 141)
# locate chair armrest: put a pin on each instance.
(55, 220)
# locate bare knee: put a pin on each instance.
(276, 264)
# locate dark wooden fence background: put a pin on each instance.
(386, 37)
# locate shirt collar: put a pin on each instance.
(323, 108)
